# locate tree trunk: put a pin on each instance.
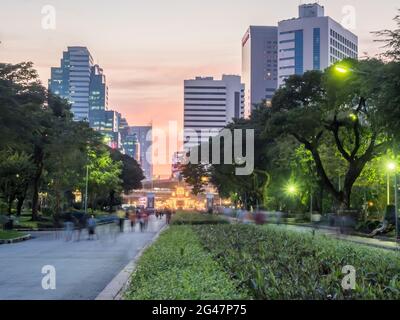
(20, 203)
(10, 204)
(38, 156)
(21, 199)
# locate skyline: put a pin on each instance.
(145, 68)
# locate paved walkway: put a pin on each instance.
(83, 269)
(392, 245)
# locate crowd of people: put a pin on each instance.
(74, 224)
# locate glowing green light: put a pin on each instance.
(291, 189)
(341, 69)
(391, 166)
(353, 117)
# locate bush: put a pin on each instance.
(193, 218)
(272, 263)
(177, 267)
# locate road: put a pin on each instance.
(83, 268)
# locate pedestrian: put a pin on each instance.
(168, 214)
(69, 227)
(146, 219)
(132, 218)
(141, 219)
(91, 225)
(121, 219)
(80, 224)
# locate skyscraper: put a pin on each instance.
(84, 85)
(98, 98)
(312, 41)
(209, 106)
(71, 80)
(145, 141)
(259, 65)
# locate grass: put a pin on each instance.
(8, 235)
(194, 218)
(176, 267)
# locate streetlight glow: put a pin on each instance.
(341, 69)
(353, 117)
(291, 189)
(391, 166)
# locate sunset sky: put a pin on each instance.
(147, 48)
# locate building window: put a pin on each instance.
(317, 49)
(298, 39)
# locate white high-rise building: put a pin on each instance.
(312, 41)
(209, 106)
(259, 65)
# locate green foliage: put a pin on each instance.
(131, 174)
(273, 263)
(194, 175)
(176, 267)
(193, 218)
(44, 152)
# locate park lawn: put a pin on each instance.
(9, 235)
(176, 267)
(24, 221)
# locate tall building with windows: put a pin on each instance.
(209, 105)
(144, 143)
(72, 79)
(312, 41)
(84, 85)
(98, 98)
(259, 65)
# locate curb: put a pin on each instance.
(15, 240)
(118, 285)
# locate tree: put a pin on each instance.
(104, 175)
(341, 113)
(16, 171)
(131, 174)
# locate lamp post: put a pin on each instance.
(391, 166)
(86, 188)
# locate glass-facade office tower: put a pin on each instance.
(98, 98)
(312, 41)
(144, 155)
(209, 106)
(259, 65)
(71, 80)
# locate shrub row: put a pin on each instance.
(193, 218)
(177, 267)
(272, 263)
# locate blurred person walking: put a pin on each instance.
(68, 227)
(132, 218)
(91, 226)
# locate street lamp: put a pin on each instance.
(341, 69)
(390, 167)
(291, 189)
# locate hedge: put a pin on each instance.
(193, 218)
(177, 267)
(272, 263)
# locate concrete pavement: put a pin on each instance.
(83, 269)
(391, 245)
